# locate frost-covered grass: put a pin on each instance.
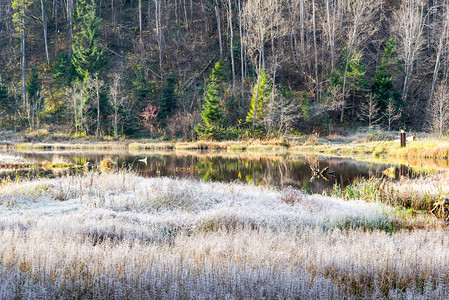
(191, 205)
(418, 193)
(124, 236)
(11, 159)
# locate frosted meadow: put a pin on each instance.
(119, 235)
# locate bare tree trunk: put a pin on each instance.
(97, 91)
(140, 23)
(302, 28)
(9, 27)
(55, 3)
(219, 29)
(241, 49)
(22, 37)
(185, 15)
(257, 91)
(112, 14)
(345, 76)
(409, 29)
(315, 51)
(361, 16)
(231, 48)
(159, 30)
(331, 35)
(69, 15)
(44, 23)
(441, 43)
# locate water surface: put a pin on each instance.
(272, 170)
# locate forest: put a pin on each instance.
(222, 69)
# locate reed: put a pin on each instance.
(418, 194)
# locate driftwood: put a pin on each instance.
(316, 173)
(441, 208)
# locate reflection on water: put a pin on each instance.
(277, 171)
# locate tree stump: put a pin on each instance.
(441, 208)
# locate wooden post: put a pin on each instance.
(403, 139)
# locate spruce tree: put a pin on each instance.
(167, 100)
(383, 87)
(262, 100)
(87, 56)
(6, 102)
(211, 113)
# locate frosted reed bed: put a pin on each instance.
(123, 236)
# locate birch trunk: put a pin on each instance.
(140, 23)
(69, 15)
(231, 48)
(44, 24)
(217, 14)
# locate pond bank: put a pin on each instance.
(421, 148)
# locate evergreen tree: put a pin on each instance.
(33, 85)
(211, 113)
(167, 100)
(262, 101)
(383, 87)
(356, 72)
(6, 102)
(87, 56)
(220, 72)
(62, 72)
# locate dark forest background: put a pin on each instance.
(222, 69)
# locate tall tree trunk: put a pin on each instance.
(69, 15)
(22, 37)
(55, 3)
(185, 15)
(331, 34)
(231, 48)
(257, 91)
(345, 76)
(140, 23)
(315, 51)
(112, 14)
(241, 49)
(217, 13)
(157, 10)
(302, 27)
(438, 57)
(10, 28)
(44, 24)
(97, 90)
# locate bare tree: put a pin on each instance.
(19, 19)
(116, 101)
(231, 46)
(44, 25)
(140, 23)
(443, 30)
(439, 110)
(287, 114)
(75, 97)
(369, 112)
(69, 16)
(360, 17)
(157, 10)
(94, 86)
(217, 14)
(408, 29)
(262, 23)
(391, 113)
